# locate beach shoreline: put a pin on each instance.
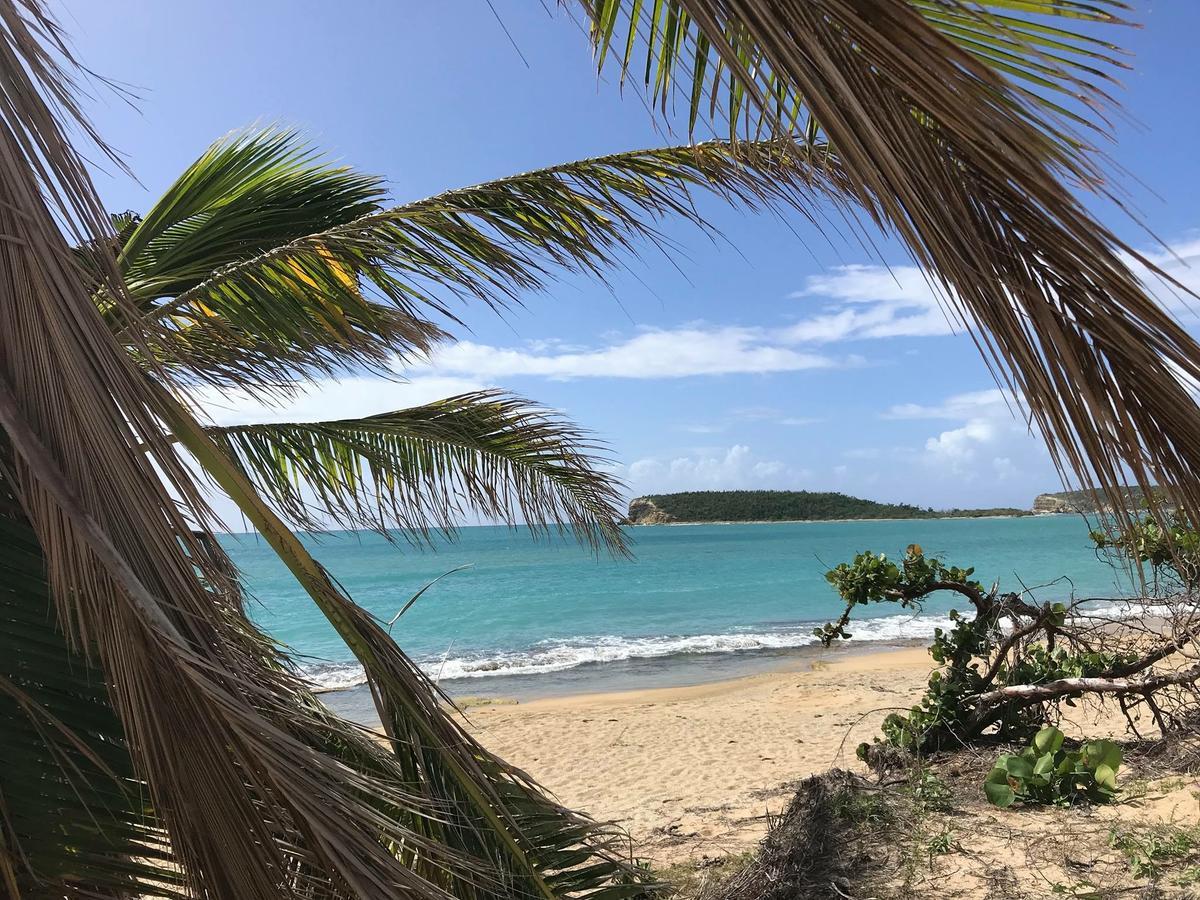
(627, 677)
(695, 770)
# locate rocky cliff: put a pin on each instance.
(1051, 503)
(644, 511)
(1084, 502)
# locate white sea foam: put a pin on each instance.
(557, 655)
(334, 676)
(1126, 609)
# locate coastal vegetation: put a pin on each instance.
(1006, 667)
(1046, 772)
(784, 506)
(164, 745)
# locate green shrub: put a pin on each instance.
(973, 656)
(1046, 773)
(1152, 852)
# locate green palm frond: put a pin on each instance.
(474, 802)
(426, 467)
(493, 242)
(248, 194)
(961, 152)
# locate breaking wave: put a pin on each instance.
(556, 655)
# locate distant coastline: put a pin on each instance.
(763, 507)
(1023, 514)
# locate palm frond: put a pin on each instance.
(554, 852)
(237, 764)
(81, 820)
(723, 60)
(479, 803)
(425, 467)
(72, 806)
(250, 193)
(937, 145)
(491, 242)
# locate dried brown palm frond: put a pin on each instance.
(426, 467)
(70, 807)
(951, 125)
(258, 792)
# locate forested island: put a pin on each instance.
(784, 506)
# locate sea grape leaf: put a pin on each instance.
(999, 794)
(1048, 740)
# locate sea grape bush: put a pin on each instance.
(1170, 548)
(1007, 664)
(973, 656)
(1047, 773)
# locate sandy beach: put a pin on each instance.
(692, 773)
(695, 770)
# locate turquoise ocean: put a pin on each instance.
(539, 616)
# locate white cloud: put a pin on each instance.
(330, 399)
(871, 302)
(1181, 261)
(853, 302)
(860, 302)
(731, 468)
(991, 402)
(989, 442)
(772, 415)
(862, 453)
(676, 353)
(902, 285)
(769, 415)
(956, 448)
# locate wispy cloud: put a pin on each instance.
(330, 399)
(863, 302)
(857, 302)
(1181, 261)
(674, 353)
(772, 415)
(763, 415)
(990, 402)
(735, 467)
(991, 433)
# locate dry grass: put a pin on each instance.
(931, 834)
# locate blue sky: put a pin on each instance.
(788, 358)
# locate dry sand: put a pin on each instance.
(694, 770)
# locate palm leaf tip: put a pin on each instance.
(368, 288)
(247, 196)
(913, 111)
(422, 469)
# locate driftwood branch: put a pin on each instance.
(1065, 687)
(1009, 643)
(1160, 654)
